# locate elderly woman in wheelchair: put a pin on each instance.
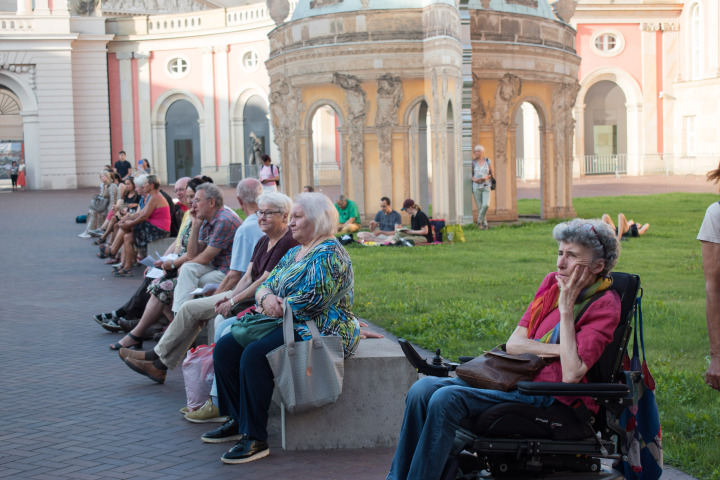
(570, 322)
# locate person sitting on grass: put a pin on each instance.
(587, 252)
(420, 230)
(626, 228)
(384, 225)
(349, 214)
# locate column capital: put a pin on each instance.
(124, 55)
(140, 55)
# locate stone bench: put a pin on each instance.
(370, 409)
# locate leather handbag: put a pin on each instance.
(308, 374)
(493, 182)
(499, 370)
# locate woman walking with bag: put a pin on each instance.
(481, 182)
(316, 278)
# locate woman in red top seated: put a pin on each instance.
(587, 252)
(149, 224)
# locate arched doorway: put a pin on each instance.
(182, 133)
(256, 135)
(527, 143)
(11, 131)
(326, 158)
(420, 165)
(605, 130)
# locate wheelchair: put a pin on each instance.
(516, 441)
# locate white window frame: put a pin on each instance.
(619, 43)
(175, 74)
(252, 68)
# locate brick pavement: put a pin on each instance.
(72, 409)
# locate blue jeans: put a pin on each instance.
(482, 201)
(433, 410)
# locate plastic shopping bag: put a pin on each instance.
(199, 373)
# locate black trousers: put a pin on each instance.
(135, 307)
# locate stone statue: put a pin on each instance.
(83, 8)
(389, 97)
(254, 150)
(357, 111)
(285, 106)
(278, 10)
(508, 88)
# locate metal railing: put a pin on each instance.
(604, 164)
(327, 173)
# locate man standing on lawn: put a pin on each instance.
(349, 215)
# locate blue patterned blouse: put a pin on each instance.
(311, 283)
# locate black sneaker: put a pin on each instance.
(246, 450)
(227, 432)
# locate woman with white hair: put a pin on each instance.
(316, 278)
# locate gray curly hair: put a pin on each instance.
(593, 234)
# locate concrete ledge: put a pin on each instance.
(160, 245)
(370, 409)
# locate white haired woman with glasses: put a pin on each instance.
(587, 252)
(316, 278)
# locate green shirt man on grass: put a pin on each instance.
(349, 221)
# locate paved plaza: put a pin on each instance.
(72, 409)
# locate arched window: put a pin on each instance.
(696, 40)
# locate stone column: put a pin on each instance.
(31, 130)
(207, 135)
(126, 105)
(223, 103)
(23, 7)
(41, 7)
(60, 8)
(144, 107)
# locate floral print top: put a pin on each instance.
(310, 285)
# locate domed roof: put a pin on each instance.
(524, 7)
(325, 7)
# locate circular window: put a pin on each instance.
(607, 43)
(178, 67)
(250, 60)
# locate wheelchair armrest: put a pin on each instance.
(595, 390)
(435, 367)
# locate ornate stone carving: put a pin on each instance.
(19, 63)
(357, 111)
(152, 6)
(563, 101)
(509, 87)
(664, 26)
(389, 96)
(285, 105)
(322, 3)
(477, 109)
(278, 10)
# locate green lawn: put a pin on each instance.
(468, 297)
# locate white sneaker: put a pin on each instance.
(208, 413)
(84, 235)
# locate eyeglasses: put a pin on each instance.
(267, 213)
(588, 226)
